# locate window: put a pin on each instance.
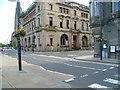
(64, 40)
(96, 8)
(50, 7)
(61, 23)
(63, 10)
(84, 41)
(33, 41)
(30, 27)
(75, 24)
(91, 9)
(51, 41)
(67, 23)
(38, 21)
(75, 12)
(60, 8)
(86, 15)
(34, 24)
(29, 41)
(87, 26)
(50, 21)
(39, 40)
(117, 5)
(67, 11)
(82, 25)
(81, 14)
(38, 8)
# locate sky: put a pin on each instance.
(7, 14)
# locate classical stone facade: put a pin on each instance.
(56, 26)
(105, 18)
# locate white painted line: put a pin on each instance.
(69, 80)
(42, 68)
(104, 70)
(51, 61)
(112, 67)
(109, 80)
(95, 85)
(86, 67)
(60, 73)
(54, 57)
(72, 55)
(67, 64)
(84, 76)
(95, 72)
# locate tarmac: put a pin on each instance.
(33, 76)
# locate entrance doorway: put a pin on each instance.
(74, 42)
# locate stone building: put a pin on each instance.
(56, 26)
(105, 21)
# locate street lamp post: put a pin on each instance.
(18, 38)
(100, 31)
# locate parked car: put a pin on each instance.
(1, 49)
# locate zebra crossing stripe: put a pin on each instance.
(109, 80)
(95, 85)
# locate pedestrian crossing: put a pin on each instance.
(106, 84)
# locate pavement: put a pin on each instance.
(32, 76)
(90, 58)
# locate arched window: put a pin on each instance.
(84, 41)
(64, 40)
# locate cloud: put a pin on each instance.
(7, 21)
(7, 14)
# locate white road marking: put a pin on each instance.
(84, 76)
(60, 73)
(87, 67)
(54, 57)
(72, 55)
(51, 61)
(112, 67)
(109, 80)
(95, 85)
(95, 72)
(67, 64)
(42, 68)
(104, 70)
(69, 80)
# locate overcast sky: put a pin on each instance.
(7, 14)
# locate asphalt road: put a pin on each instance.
(86, 74)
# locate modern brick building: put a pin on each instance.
(106, 15)
(56, 26)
